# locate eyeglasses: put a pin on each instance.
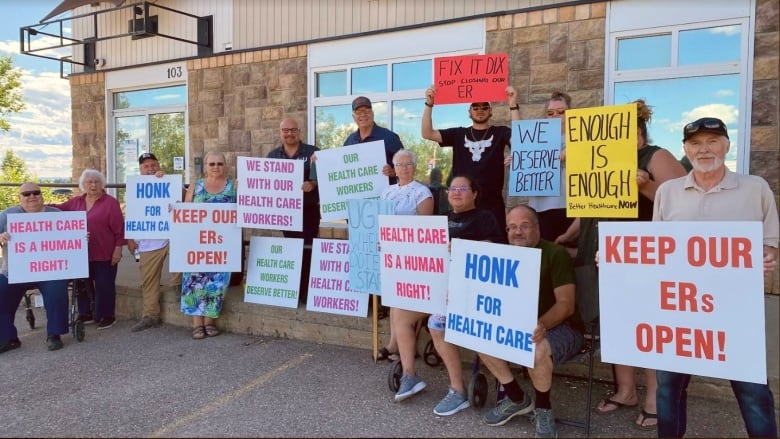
(559, 112)
(710, 123)
(289, 130)
(525, 227)
(403, 165)
(483, 107)
(362, 112)
(458, 189)
(216, 164)
(28, 193)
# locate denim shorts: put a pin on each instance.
(437, 322)
(565, 342)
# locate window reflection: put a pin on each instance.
(154, 97)
(371, 79)
(332, 83)
(412, 75)
(711, 45)
(644, 52)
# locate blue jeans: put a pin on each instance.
(755, 403)
(103, 276)
(55, 299)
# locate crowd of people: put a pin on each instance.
(475, 209)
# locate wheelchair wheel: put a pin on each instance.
(31, 318)
(79, 330)
(430, 356)
(394, 376)
(478, 390)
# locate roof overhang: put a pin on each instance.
(69, 5)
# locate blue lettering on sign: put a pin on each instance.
(514, 338)
(500, 271)
(470, 326)
(153, 190)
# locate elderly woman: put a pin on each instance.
(410, 198)
(202, 294)
(466, 221)
(106, 232)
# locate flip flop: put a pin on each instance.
(644, 416)
(611, 402)
(385, 354)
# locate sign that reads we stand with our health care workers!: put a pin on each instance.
(329, 285)
(684, 297)
(471, 78)
(147, 215)
(269, 193)
(205, 237)
(493, 299)
(47, 246)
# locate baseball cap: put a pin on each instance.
(146, 155)
(705, 125)
(361, 101)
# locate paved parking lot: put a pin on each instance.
(161, 383)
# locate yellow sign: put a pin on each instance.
(601, 162)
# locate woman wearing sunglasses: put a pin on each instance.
(202, 294)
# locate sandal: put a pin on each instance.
(211, 330)
(607, 402)
(199, 333)
(645, 417)
(384, 354)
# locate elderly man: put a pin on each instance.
(54, 292)
(152, 254)
(369, 131)
(557, 336)
(711, 192)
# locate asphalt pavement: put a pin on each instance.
(162, 383)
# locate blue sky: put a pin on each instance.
(40, 134)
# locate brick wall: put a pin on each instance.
(88, 132)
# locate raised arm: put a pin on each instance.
(427, 130)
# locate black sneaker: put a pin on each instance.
(106, 323)
(53, 342)
(87, 320)
(10, 345)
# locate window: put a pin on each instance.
(685, 68)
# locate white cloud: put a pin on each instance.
(726, 30)
(43, 45)
(724, 93)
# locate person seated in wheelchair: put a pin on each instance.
(54, 292)
(558, 335)
(465, 221)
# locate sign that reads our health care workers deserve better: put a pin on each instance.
(269, 194)
(148, 198)
(536, 158)
(494, 299)
(205, 237)
(684, 297)
(329, 287)
(273, 271)
(471, 78)
(349, 172)
(601, 162)
(414, 259)
(47, 246)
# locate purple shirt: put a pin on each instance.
(105, 224)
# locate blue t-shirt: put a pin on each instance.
(392, 143)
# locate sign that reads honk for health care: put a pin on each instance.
(47, 246)
(148, 198)
(493, 299)
(684, 297)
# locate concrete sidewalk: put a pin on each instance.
(161, 383)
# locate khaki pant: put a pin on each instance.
(151, 274)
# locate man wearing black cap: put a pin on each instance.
(152, 253)
(711, 192)
(477, 150)
(369, 131)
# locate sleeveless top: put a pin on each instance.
(227, 195)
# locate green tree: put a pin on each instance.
(10, 91)
(167, 139)
(14, 170)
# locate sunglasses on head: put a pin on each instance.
(483, 107)
(28, 193)
(710, 123)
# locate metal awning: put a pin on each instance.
(69, 5)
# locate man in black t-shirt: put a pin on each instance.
(477, 150)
